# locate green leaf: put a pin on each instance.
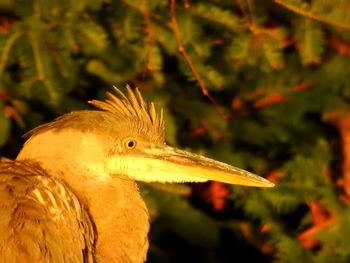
(92, 37)
(336, 245)
(240, 48)
(189, 28)
(177, 215)
(310, 41)
(165, 38)
(289, 251)
(215, 14)
(5, 125)
(284, 200)
(272, 45)
(99, 69)
(170, 127)
(155, 58)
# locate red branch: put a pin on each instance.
(270, 99)
(189, 62)
(321, 218)
(343, 124)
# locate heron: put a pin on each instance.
(71, 194)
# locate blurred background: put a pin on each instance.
(262, 85)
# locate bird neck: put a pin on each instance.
(120, 217)
(114, 204)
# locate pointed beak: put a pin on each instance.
(171, 163)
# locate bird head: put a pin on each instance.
(125, 138)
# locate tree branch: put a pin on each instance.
(149, 40)
(311, 15)
(189, 62)
(6, 50)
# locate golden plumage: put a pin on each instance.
(40, 217)
(71, 196)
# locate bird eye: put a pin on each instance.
(130, 144)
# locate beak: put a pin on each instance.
(174, 165)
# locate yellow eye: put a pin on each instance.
(130, 144)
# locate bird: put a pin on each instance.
(71, 193)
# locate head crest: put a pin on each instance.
(131, 106)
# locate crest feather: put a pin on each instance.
(131, 106)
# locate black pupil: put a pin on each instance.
(131, 144)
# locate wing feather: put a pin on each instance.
(41, 220)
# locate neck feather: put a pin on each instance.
(114, 204)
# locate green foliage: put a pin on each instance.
(4, 127)
(278, 69)
(336, 245)
(310, 41)
(289, 251)
(212, 13)
(190, 222)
